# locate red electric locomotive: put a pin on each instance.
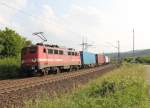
(42, 59)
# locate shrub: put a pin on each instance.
(142, 59)
(105, 89)
(9, 67)
(11, 42)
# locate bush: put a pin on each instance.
(9, 67)
(129, 59)
(142, 59)
(11, 43)
(105, 89)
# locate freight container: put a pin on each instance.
(87, 58)
(107, 59)
(100, 59)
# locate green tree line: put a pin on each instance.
(142, 59)
(11, 43)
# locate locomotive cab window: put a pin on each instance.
(44, 50)
(73, 53)
(60, 52)
(32, 50)
(69, 53)
(50, 51)
(76, 54)
(55, 51)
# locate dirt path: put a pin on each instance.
(148, 77)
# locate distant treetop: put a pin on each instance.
(11, 42)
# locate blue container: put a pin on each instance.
(87, 58)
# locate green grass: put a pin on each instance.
(9, 67)
(122, 88)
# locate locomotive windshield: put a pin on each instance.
(32, 50)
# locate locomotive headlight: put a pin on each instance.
(34, 60)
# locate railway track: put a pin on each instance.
(8, 87)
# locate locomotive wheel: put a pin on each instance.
(43, 72)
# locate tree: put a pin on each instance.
(11, 42)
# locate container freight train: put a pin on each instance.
(44, 59)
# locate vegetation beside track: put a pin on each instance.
(9, 67)
(141, 59)
(122, 88)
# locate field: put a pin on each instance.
(122, 88)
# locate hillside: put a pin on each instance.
(144, 52)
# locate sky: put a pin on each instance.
(66, 22)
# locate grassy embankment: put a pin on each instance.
(9, 67)
(122, 88)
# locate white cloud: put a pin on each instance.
(9, 8)
(139, 18)
(51, 23)
(83, 20)
(68, 29)
(3, 20)
(99, 26)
